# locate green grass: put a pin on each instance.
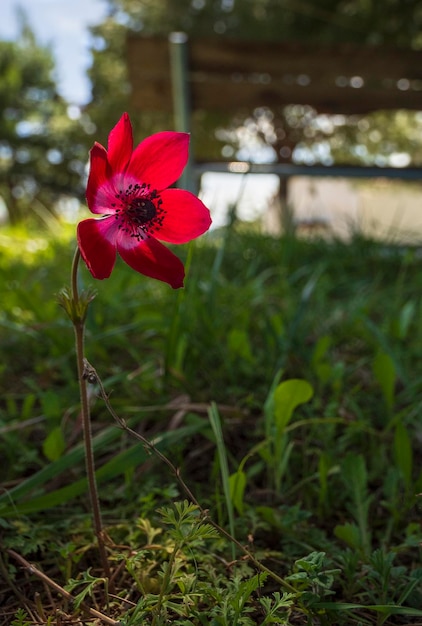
(285, 383)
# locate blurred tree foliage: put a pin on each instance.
(43, 151)
(293, 130)
(396, 22)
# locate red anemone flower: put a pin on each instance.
(128, 187)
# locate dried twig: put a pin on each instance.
(53, 585)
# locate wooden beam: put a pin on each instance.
(289, 170)
(277, 59)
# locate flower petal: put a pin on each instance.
(159, 160)
(97, 244)
(98, 178)
(120, 144)
(186, 217)
(151, 258)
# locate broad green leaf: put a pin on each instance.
(54, 445)
(355, 479)
(321, 348)
(355, 476)
(51, 405)
(239, 345)
(27, 406)
(406, 316)
(349, 533)
(385, 373)
(288, 395)
(313, 562)
(269, 403)
(237, 484)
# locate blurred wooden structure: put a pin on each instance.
(181, 76)
(228, 74)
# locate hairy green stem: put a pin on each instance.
(79, 328)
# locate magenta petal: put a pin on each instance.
(186, 217)
(120, 144)
(96, 240)
(159, 160)
(151, 258)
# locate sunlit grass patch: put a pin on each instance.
(31, 247)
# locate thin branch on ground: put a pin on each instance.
(32, 569)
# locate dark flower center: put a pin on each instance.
(141, 210)
(138, 210)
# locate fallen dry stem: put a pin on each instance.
(32, 569)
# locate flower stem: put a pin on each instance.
(79, 328)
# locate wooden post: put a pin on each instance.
(179, 67)
(286, 211)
